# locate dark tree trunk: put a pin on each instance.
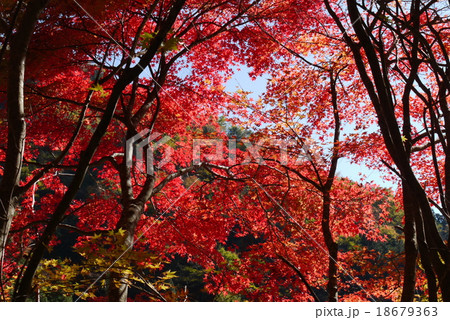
(409, 273)
(118, 289)
(129, 75)
(332, 246)
(16, 118)
(374, 75)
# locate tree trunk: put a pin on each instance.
(376, 81)
(409, 273)
(16, 118)
(332, 246)
(129, 75)
(444, 284)
(426, 262)
(118, 290)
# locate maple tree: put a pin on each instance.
(401, 53)
(85, 78)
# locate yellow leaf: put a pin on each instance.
(96, 87)
(121, 232)
(96, 236)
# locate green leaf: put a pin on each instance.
(146, 39)
(171, 44)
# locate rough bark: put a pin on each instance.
(118, 291)
(16, 118)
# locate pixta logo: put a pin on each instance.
(145, 143)
(252, 151)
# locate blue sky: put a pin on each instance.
(356, 172)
